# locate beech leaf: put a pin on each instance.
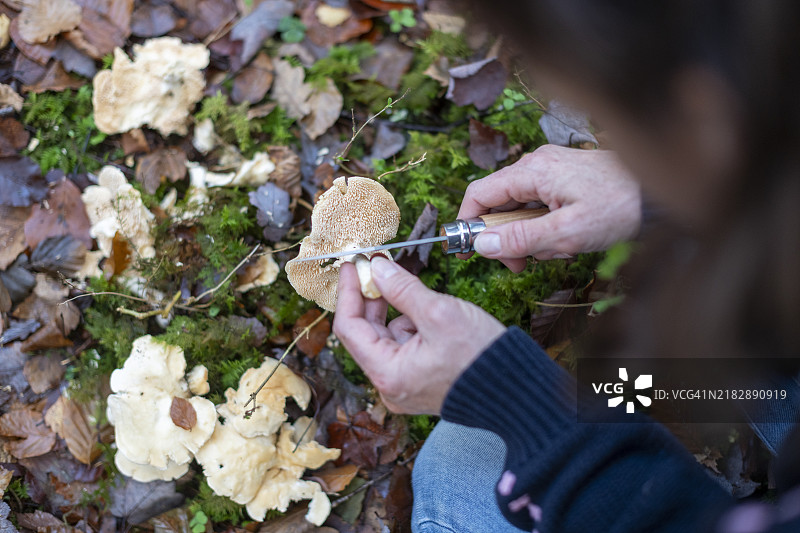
(63, 214)
(182, 413)
(478, 83)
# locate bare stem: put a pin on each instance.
(411, 163)
(340, 157)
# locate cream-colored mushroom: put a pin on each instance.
(147, 473)
(159, 88)
(280, 488)
(114, 206)
(197, 379)
(268, 414)
(308, 453)
(140, 409)
(354, 213)
(235, 466)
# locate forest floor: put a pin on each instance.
(224, 121)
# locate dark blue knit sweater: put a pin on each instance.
(565, 476)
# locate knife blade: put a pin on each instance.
(389, 246)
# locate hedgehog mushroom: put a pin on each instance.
(354, 213)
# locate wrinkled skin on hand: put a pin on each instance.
(593, 199)
(415, 359)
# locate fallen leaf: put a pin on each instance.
(351, 508)
(120, 257)
(287, 170)
(182, 413)
(12, 363)
(153, 168)
(273, 210)
(136, 501)
(709, 458)
(105, 25)
(12, 233)
(389, 6)
(252, 82)
(6, 526)
(388, 142)
(415, 258)
(362, 441)
(17, 280)
(32, 436)
(45, 306)
(208, 16)
(42, 19)
(259, 25)
(335, 478)
(153, 21)
(325, 107)
(565, 126)
(293, 522)
(5, 479)
(552, 324)
(79, 430)
(5, 303)
(387, 67)
(13, 137)
(264, 271)
(445, 22)
(43, 373)
(38, 53)
(487, 146)
(21, 182)
(478, 83)
(10, 97)
(311, 342)
(18, 329)
(173, 521)
(134, 141)
(62, 213)
(74, 60)
(290, 90)
(62, 255)
(325, 35)
(42, 521)
(55, 79)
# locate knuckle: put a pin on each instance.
(517, 240)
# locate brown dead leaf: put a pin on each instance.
(287, 170)
(290, 90)
(325, 107)
(365, 443)
(12, 233)
(21, 182)
(400, 499)
(55, 79)
(709, 458)
(105, 25)
(31, 436)
(62, 213)
(42, 19)
(252, 82)
(9, 97)
(27, 71)
(5, 479)
(79, 431)
(165, 163)
(322, 34)
(44, 306)
(134, 141)
(390, 62)
(478, 83)
(335, 478)
(182, 413)
(293, 522)
(552, 324)
(42, 521)
(415, 258)
(153, 20)
(259, 25)
(43, 373)
(487, 146)
(40, 53)
(13, 136)
(312, 342)
(120, 258)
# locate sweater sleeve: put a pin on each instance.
(570, 476)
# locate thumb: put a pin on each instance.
(545, 237)
(404, 290)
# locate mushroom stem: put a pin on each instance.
(368, 287)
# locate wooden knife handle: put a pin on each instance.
(496, 219)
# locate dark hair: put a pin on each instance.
(734, 290)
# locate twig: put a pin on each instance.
(411, 163)
(341, 156)
(147, 314)
(305, 331)
(105, 293)
(528, 92)
(193, 299)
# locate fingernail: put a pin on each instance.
(561, 255)
(383, 268)
(487, 244)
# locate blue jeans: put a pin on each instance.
(454, 479)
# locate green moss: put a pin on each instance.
(216, 508)
(420, 426)
(341, 62)
(230, 122)
(64, 126)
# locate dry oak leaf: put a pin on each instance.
(42, 19)
(21, 182)
(62, 213)
(32, 436)
(289, 89)
(360, 440)
(325, 107)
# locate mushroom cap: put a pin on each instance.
(268, 415)
(354, 213)
(235, 466)
(280, 488)
(309, 453)
(148, 473)
(197, 380)
(140, 408)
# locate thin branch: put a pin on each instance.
(193, 299)
(340, 157)
(411, 163)
(102, 293)
(147, 314)
(305, 331)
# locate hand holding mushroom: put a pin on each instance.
(415, 359)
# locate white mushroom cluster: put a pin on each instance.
(256, 460)
(354, 213)
(150, 443)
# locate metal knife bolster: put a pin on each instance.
(461, 235)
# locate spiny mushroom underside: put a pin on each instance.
(354, 213)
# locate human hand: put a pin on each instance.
(415, 359)
(593, 199)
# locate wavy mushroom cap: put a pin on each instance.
(354, 213)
